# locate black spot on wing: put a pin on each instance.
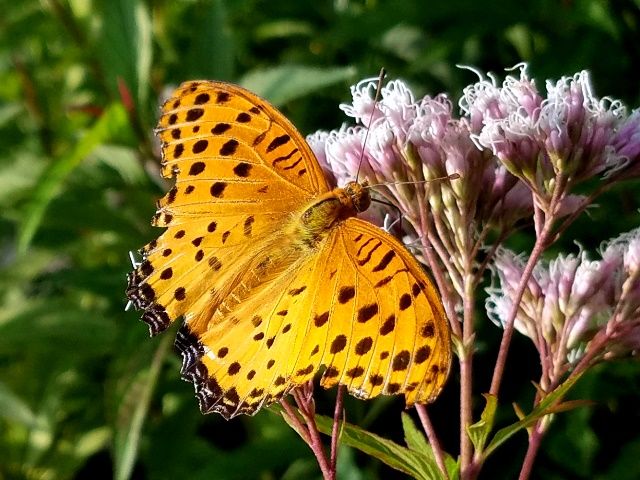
(385, 261)
(278, 142)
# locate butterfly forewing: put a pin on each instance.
(241, 136)
(240, 170)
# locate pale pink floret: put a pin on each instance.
(569, 133)
(626, 143)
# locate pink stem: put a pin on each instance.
(433, 438)
(295, 419)
(307, 410)
(466, 372)
(535, 439)
(338, 417)
(543, 232)
(438, 274)
(511, 319)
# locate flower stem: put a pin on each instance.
(507, 334)
(308, 429)
(438, 274)
(466, 370)
(544, 225)
(338, 418)
(433, 438)
(294, 418)
(535, 439)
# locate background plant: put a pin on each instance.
(83, 391)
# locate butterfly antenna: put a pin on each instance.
(453, 176)
(381, 76)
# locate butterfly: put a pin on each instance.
(273, 273)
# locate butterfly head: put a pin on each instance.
(358, 194)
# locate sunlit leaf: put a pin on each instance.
(113, 119)
(415, 438)
(545, 407)
(13, 408)
(479, 431)
(285, 83)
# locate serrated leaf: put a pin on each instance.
(414, 437)
(479, 431)
(416, 441)
(50, 183)
(416, 464)
(545, 407)
(285, 83)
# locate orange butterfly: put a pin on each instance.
(271, 270)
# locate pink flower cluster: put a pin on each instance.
(571, 300)
(519, 153)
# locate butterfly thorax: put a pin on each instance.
(324, 212)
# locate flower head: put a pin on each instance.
(571, 300)
(558, 140)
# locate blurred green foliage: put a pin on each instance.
(83, 392)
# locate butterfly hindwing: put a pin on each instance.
(400, 337)
(359, 305)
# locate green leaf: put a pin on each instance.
(479, 431)
(548, 405)
(13, 408)
(55, 326)
(211, 52)
(9, 112)
(126, 45)
(132, 412)
(50, 183)
(417, 442)
(91, 442)
(285, 83)
(283, 28)
(124, 161)
(416, 464)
